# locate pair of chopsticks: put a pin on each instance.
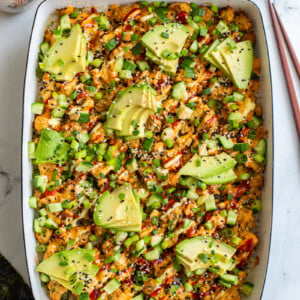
(277, 26)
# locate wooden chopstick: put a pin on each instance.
(288, 42)
(288, 76)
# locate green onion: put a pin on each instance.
(241, 147)
(148, 144)
(110, 45)
(241, 158)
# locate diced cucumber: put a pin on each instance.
(90, 56)
(179, 91)
(168, 133)
(256, 120)
(44, 47)
(31, 149)
(125, 74)
(210, 203)
(43, 212)
(194, 47)
(44, 278)
(97, 62)
(229, 278)
(143, 65)
(83, 137)
(227, 143)
(32, 202)
(184, 112)
(152, 255)
(192, 195)
(222, 27)
(119, 64)
(112, 286)
(161, 173)
(50, 224)
(83, 167)
(131, 165)
(256, 206)
(235, 117)
(191, 183)
(247, 288)
(54, 207)
(231, 217)
(65, 22)
(120, 236)
(36, 226)
(156, 239)
(259, 158)
(62, 101)
(261, 147)
(238, 96)
(154, 201)
(37, 108)
(40, 181)
(58, 112)
(103, 23)
(236, 241)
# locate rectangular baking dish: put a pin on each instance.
(46, 8)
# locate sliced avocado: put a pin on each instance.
(193, 266)
(222, 250)
(186, 248)
(215, 54)
(221, 178)
(206, 166)
(51, 148)
(118, 209)
(83, 277)
(130, 120)
(239, 63)
(206, 54)
(69, 70)
(166, 65)
(67, 56)
(157, 44)
(134, 96)
(189, 251)
(77, 260)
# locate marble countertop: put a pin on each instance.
(284, 263)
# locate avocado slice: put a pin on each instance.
(81, 277)
(189, 250)
(118, 209)
(157, 44)
(69, 70)
(168, 66)
(192, 266)
(216, 56)
(51, 148)
(134, 96)
(206, 54)
(207, 166)
(77, 260)
(239, 62)
(221, 178)
(67, 56)
(132, 116)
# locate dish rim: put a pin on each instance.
(272, 128)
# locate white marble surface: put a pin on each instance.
(284, 264)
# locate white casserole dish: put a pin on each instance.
(46, 8)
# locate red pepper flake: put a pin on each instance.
(93, 10)
(182, 17)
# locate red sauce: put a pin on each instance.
(93, 10)
(182, 17)
(134, 15)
